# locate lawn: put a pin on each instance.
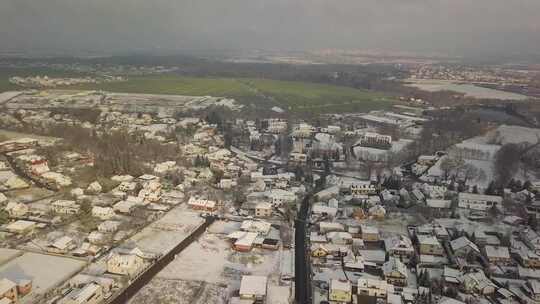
(294, 96)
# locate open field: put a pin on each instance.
(290, 95)
(294, 96)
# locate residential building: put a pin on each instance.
(125, 264)
(462, 246)
(369, 233)
(197, 203)
(395, 272)
(373, 287)
(8, 289)
(92, 293)
(16, 209)
(478, 201)
(103, 213)
(430, 245)
(263, 209)
(66, 207)
(362, 188)
(340, 291)
(499, 255)
(21, 226)
(253, 288)
(399, 246)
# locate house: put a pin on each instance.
(92, 293)
(478, 201)
(8, 289)
(125, 206)
(96, 237)
(375, 140)
(125, 264)
(280, 197)
(399, 246)
(430, 245)
(533, 288)
(263, 209)
(227, 183)
(253, 288)
(340, 291)
(197, 203)
(528, 258)
(108, 226)
(427, 160)
(243, 241)
(15, 209)
(477, 282)
(439, 204)
(369, 233)
(61, 245)
(320, 251)
(499, 255)
(340, 237)
(260, 227)
(373, 287)
(395, 272)
(434, 192)
(65, 207)
(462, 246)
(362, 188)
(17, 144)
(103, 213)
(21, 226)
(323, 210)
(377, 212)
(326, 227)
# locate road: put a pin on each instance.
(302, 262)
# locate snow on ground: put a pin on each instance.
(278, 294)
(39, 269)
(180, 292)
(506, 134)
(472, 226)
(208, 269)
(223, 227)
(5, 96)
(203, 260)
(8, 254)
(164, 234)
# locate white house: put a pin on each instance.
(253, 288)
(362, 188)
(65, 207)
(103, 213)
(478, 201)
(280, 197)
(263, 209)
(125, 264)
(15, 209)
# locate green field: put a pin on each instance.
(294, 96)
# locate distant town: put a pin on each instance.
(142, 197)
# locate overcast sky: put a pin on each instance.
(447, 26)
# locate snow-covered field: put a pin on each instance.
(203, 260)
(208, 264)
(164, 234)
(45, 271)
(180, 292)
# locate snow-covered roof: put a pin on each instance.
(253, 285)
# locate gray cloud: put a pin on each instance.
(449, 26)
